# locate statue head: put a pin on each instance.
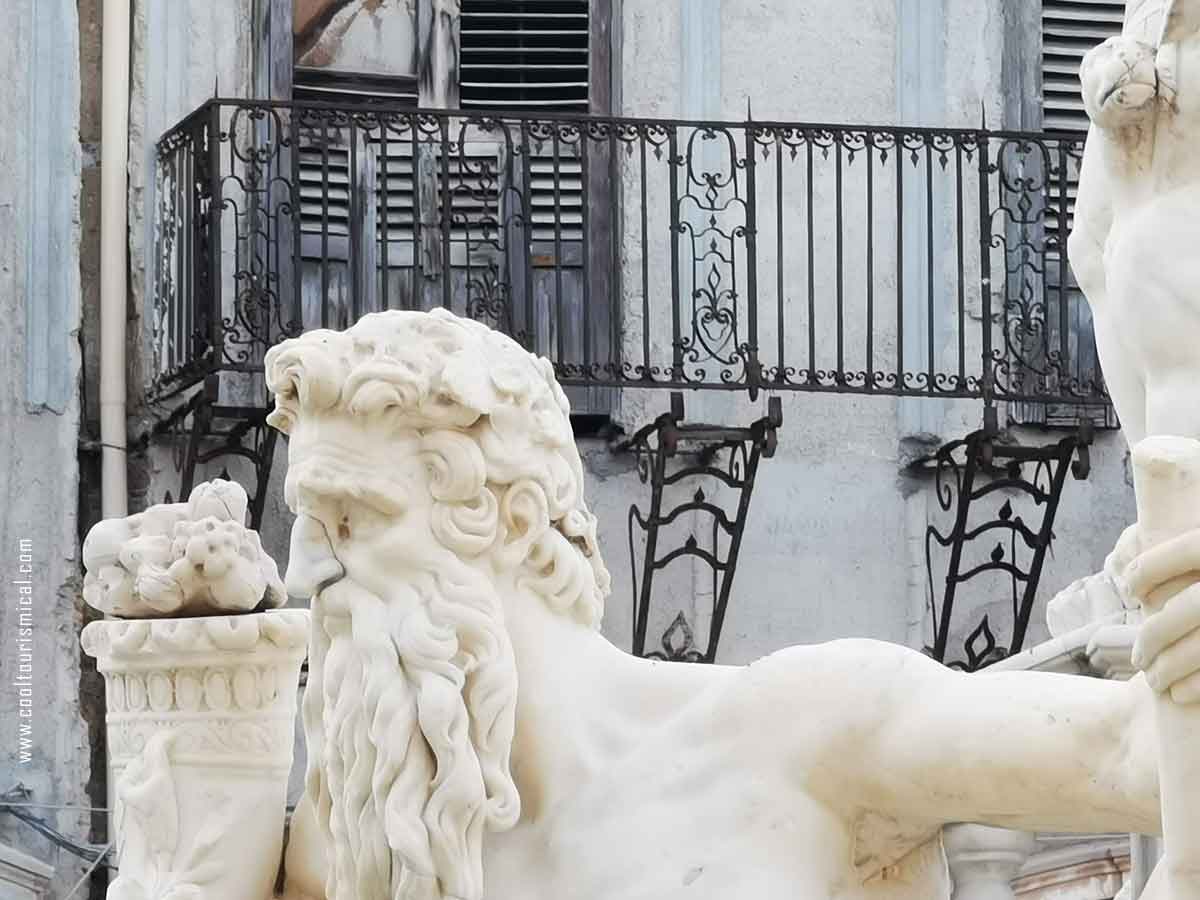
(433, 469)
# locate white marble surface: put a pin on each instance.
(200, 714)
(471, 734)
(181, 559)
(1136, 226)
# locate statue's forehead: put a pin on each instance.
(320, 480)
(340, 456)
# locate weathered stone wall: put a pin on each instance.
(40, 169)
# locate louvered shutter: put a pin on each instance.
(475, 189)
(1070, 28)
(556, 198)
(524, 54)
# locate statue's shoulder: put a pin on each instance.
(852, 663)
(832, 692)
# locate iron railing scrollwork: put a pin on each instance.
(737, 256)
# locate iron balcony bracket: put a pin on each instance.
(219, 431)
(698, 450)
(969, 475)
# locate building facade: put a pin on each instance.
(834, 228)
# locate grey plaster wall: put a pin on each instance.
(836, 535)
(40, 613)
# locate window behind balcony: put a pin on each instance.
(372, 210)
(525, 54)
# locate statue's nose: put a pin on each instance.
(311, 563)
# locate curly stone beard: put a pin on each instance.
(409, 714)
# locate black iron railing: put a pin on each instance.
(633, 252)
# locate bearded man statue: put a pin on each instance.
(471, 734)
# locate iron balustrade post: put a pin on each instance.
(447, 211)
(296, 202)
(899, 264)
(418, 175)
(560, 322)
(987, 385)
(325, 219)
(385, 226)
(752, 364)
(585, 252)
(354, 249)
(839, 250)
(215, 203)
(1064, 273)
(647, 323)
(781, 364)
(812, 261)
(870, 230)
(527, 233)
(673, 164)
(930, 291)
(960, 221)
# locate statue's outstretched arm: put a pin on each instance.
(906, 736)
(1027, 750)
(888, 731)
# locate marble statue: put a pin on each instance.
(1132, 247)
(1133, 251)
(1136, 227)
(471, 734)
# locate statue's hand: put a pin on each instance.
(1120, 82)
(194, 558)
(1167, 648)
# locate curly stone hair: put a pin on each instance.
(495, 433)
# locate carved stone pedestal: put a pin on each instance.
(201, 714)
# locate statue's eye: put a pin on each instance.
(357, 520)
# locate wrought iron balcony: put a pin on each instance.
(743, 256)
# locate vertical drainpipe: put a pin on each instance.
(114, 244)
(920, 101)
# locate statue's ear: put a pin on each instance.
(524, 518)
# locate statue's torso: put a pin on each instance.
(692, 815)
(680, 853)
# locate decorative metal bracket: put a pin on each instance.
(218, 431)
(971, 470)
(669, 438)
